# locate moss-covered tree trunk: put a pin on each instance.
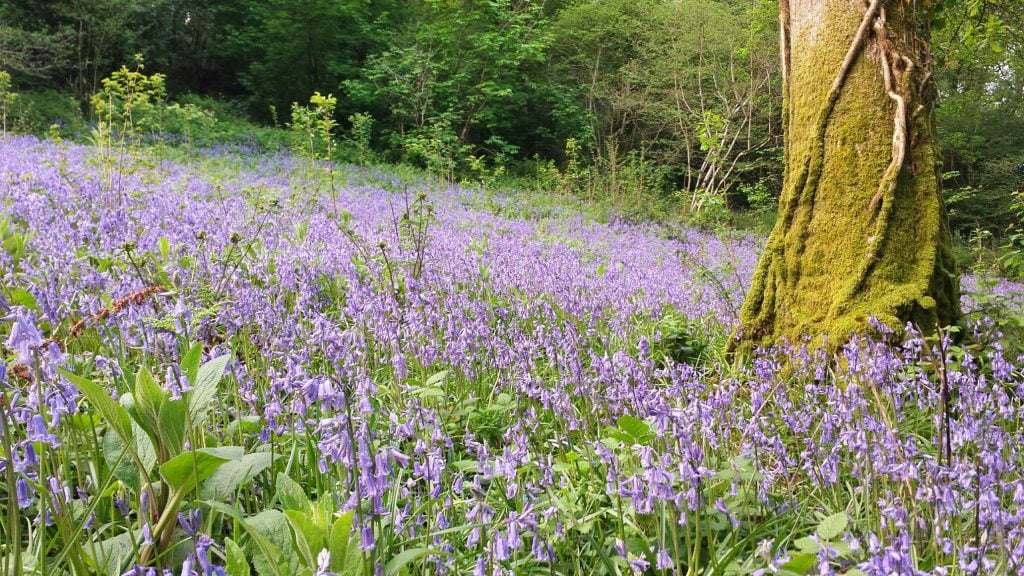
(862, 228)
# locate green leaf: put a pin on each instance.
(273, 526)
(635, 427)
(248, 425)
(801, 563)
(436, 379)
(128, 470)
(114, 554)
(290, 494)
(149, 396)
(338, 541)
(165, 248)
(228, 452)
(227, 479)
(270, 552)
(310, 539)
(115, 415)
(429, 392)
(808, 545)
(21, 297)
(465, 465)
(833, 526)
(204, 388)
(184, 470)
(236, 562)
(396, 564)
(172, 426)
(190, 363)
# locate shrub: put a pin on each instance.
(36, 112)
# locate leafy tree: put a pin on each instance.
(466, 67)
(285, 50)
(7, 98)
(685, 84)
(981, 113)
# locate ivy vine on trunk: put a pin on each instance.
(862, 230)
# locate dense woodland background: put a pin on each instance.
(653, 106)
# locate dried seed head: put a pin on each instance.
(78, 328)
(22, 372)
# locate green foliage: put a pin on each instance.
(152, 427)
(291, 540)
(980, 71)
(313, 127)
(285, 50)
(38, 112)
(130, 103)
(360, 137)
(455, 75)
(435, 148)
(188, 120)
(1013, 258)
(7, 98)
(205, 121)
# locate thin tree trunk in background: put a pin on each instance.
(862, 227)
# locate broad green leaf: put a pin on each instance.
(396, 564)
(144, 448)
(172, 426)
(21, 297)
(429, 392)
(339, 538)
(801, 563)
(113, 554)
(322, 512)
(165, 248)
(465, 465)
(115, 415)
(85, 422)
(128, 470)
(149, 396)
(247, 424)
(204, 388)
(269, 551)
(229, 452)
(310, 539)
(190, 363)
(236, 565)
(807, 544)
(833, 526)
(633, 426)
(233, 474)
(184, 470)
(273, 525)
(435, 379)
(290, 494)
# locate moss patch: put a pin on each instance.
(833, 260)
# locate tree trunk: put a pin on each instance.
(862, 228)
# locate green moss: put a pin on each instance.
(832, 261)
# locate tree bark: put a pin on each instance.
(862, 230)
